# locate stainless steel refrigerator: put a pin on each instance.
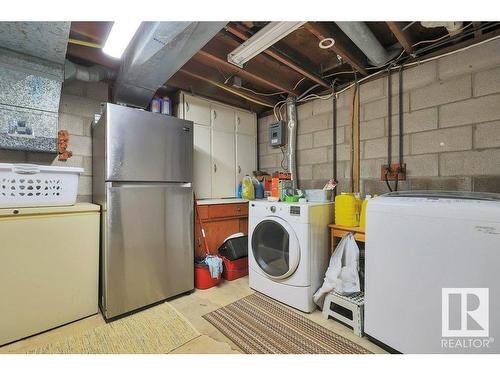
(142, 174)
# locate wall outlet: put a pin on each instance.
(396, 171)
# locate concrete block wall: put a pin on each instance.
(79, 102)
(451, 128)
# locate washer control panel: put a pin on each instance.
(295, 210)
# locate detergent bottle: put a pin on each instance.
(247, 188)
(259, 189)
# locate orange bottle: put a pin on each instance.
(275, 191)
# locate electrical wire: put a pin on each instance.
(393, 61)
(285, 167)
(459, 36)
(421, 62)
(338, 73)
(442, 37)
(404, 65)
(262, 93)
(298, 83)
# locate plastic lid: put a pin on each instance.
(35, 168)
(433, 194)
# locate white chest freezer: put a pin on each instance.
(433, 272)
(49, 268)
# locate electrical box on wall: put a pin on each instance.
(396, 171)
(277, 134)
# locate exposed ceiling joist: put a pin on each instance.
(195, 70)
(97, 31)
(340, 47)
(478, 32)
(92, 55)
(280, 58)
(401, 35)
(212, 59)
(192, 85)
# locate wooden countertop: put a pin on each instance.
(202, 202)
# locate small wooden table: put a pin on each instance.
(339, 231)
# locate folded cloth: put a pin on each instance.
(214, 264)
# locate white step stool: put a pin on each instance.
(351, 309)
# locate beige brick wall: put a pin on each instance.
(79, 102)
(451, 112)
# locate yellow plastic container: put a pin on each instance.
(362, 217)
(346, 210)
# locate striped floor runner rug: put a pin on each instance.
(260, 325)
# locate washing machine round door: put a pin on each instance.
(275, 248)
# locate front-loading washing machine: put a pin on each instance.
(288, 250)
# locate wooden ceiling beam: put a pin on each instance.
(231, 28)
(97, 31)
(201, 74)
(212, 59)
(92, 55)
(477, 33)
(192, 85)
(339, 48)
(402, 36)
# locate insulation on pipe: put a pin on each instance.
(291, 110)
(94, 73)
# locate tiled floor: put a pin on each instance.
(193, 307)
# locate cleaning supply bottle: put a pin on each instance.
(238, 191)
(362, 219)
(247, 189)
(259, 190)
(346, 213)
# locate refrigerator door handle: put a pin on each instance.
(186, 185)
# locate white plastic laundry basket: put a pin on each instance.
(30, 185)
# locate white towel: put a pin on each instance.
(214, 264)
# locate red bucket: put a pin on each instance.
(234, 269)
(202, 278)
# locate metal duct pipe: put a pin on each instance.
(362, 36)
(291, 110)
(88, 74)
(156, 53)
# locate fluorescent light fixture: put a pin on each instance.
(119, 37)
(262, 40)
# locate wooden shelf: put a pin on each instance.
(339, 231)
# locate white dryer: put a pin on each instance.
(288, 250)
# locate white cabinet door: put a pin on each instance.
(196, 110)
(246, 123)
(202, 162)
(223, 164)
(246, 155)
(223, 118)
